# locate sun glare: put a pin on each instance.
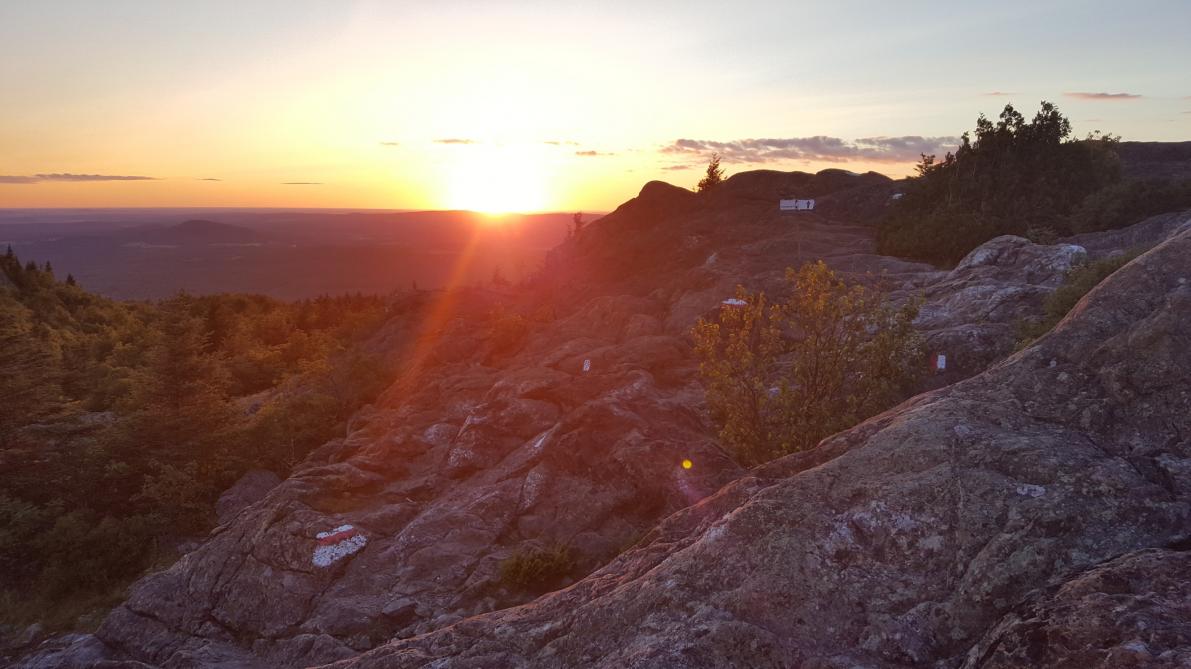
(496, 180)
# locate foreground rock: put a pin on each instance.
(924, 527)
(1134, 611)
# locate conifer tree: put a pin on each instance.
(714, 176)
(185, 392)
(29, 374)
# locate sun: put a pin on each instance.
(496, 180)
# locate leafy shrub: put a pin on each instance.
(537, 569)
(780, 377)
(506, 330)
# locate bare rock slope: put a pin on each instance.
(930, 525)
(562, 413)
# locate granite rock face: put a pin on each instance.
(921, 531)
(1133, 611)
(970, 314)
(901, 542)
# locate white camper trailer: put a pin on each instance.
(796, 205)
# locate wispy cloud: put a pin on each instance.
(677, 167)
(455, 140)
(301, 183)
(208, 179)
(383, 143)
(820, 148)
(560, 142)
(66, 176)
(998, 94)
(592, 154)
(1103, 96)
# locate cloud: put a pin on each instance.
(1103, 96)
(383, 143)
(818, 148)
(562, 142)
(62, 176)
(208, 179)
(677, 167)
(66, 176)
(301, 183)
(998, 94)
(455, 140)
(592, 154)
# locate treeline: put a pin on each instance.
(121, 423)
(1027, 178)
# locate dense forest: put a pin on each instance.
(1018, 177)
(121, 423)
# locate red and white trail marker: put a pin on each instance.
(336, 544)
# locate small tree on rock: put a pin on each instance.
(780, 377)
(714, 176)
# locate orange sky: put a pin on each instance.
(535, 105)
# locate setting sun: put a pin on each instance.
(495, 180)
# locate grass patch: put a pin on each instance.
(1079, 282)
(538, 569)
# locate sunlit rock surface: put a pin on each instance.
(897, 543)
(921, 530)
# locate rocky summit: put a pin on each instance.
(1031, 508)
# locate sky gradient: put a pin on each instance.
(539, 105)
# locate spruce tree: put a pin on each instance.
(714, 176)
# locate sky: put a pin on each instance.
(540, 106)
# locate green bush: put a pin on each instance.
(537, 570)
(780, 377)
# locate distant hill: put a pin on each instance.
(285, 254)
(1155, 160)
(192, 232)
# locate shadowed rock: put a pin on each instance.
(1133, 611)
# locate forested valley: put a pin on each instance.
(122, 422)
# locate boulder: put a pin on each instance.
(971, 314)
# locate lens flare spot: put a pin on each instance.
(687, 464)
